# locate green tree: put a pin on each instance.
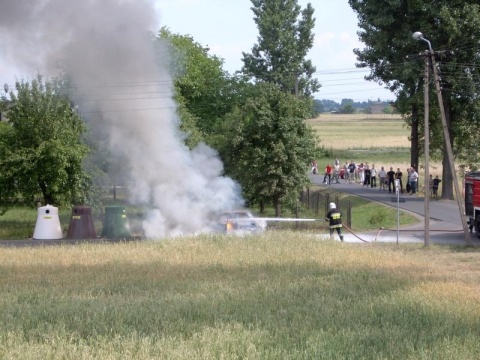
(268, 147)
(348, 109)
(387, 34)
(285, 37)
(204, 91)
(318, 107)
(391, 54)
(41, 149)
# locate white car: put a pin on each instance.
(240, 222)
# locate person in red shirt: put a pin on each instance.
(328, 175)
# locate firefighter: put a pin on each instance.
(334, 217)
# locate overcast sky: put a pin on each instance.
(227, 28)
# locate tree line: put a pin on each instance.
(349, 106)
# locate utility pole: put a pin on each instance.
(448, 146)
(427, 148)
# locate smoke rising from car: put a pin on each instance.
(124, 91)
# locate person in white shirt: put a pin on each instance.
(336, 173)
(346, 173)
(382, 174)
(373, 176)
(413, 180)
(361, 172)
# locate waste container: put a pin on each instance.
(81, 224)
(47, 226)
(115, 223)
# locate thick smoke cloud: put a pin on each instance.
(123, 90)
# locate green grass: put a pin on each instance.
(17, 223)
(386, 157)
(277, 296)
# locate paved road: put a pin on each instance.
(445, 222)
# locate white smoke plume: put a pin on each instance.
(124, 91)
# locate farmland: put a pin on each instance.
(360, 131)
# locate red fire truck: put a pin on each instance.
(472, 200)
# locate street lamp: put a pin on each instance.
(419, 36)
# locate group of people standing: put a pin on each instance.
(370, 176)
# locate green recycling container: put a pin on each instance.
(115, 223)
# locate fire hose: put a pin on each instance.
(350, 230)
(358, 237)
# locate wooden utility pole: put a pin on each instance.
(448, 147)
(446, 134)
(426, 149)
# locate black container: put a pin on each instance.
(81, 224)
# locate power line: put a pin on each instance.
(125, 110)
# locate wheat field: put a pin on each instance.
(361, 131)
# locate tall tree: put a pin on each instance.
(387, 27)
(41, 149)
(285, 37)
(204, 91)
(268, 147)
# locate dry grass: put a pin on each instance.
(276, 296)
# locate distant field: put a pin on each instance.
(361, 131)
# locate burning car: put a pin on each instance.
(240, 222)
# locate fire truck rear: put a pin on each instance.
(472, 200)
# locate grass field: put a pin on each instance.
(361, 131)
(276, 296)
